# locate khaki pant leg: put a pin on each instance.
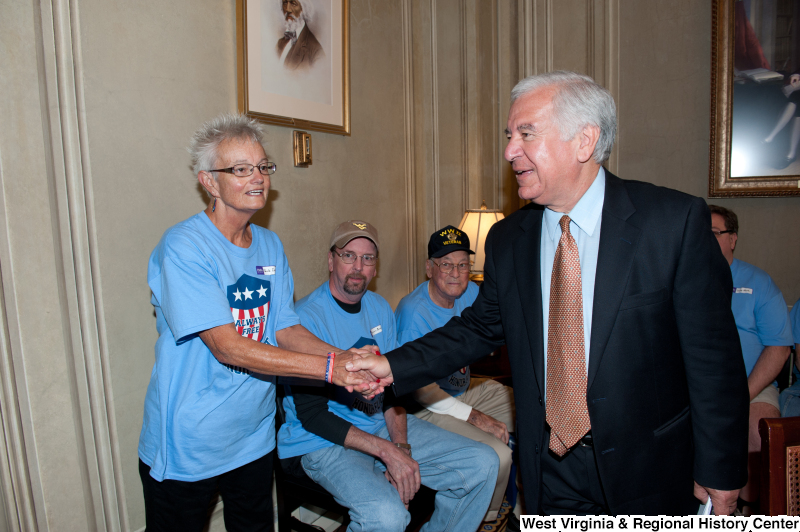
(465, 429)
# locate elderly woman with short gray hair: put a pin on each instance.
(223, 297)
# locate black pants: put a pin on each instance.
(175, 505)
(571, 484)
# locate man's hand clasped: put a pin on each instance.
(370, 366)
(355, 379)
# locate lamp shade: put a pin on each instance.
(476, 224)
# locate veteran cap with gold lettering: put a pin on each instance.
(448, 240)
(347, 231)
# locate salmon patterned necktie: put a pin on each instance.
(566, 409)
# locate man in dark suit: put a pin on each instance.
(614, 302)
(298, 48)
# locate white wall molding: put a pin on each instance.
(498, 118)
(466, 86)
(612, 81)
(14, 474)
(549, 48)
(527, 41)
(435, 114)
(408, 127)
(602, 28)
(20, 476)
(591, 47)
(81, 284)
(537, 51)
(97, 359)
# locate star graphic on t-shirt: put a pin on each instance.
(248, 294)
(262, 292)
(238, 295)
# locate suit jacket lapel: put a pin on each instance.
(527, 270)
(618, 241)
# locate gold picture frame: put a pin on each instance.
(739, 130)
(309, 94)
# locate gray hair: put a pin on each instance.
(579, 101)
(309, 10)
(206, 140)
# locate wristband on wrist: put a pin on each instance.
(329, 367)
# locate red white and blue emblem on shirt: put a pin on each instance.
(249, 299)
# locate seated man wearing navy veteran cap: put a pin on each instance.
(480, 409)
(368, 453)
(762, 320)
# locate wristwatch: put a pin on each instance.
(404, 446)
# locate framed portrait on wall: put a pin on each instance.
(293, 61)
(755, 98)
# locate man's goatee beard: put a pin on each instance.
(351, 289)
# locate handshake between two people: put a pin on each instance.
(363, 370)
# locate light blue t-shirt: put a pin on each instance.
(418, 315)
(373, 325)
(203, 418)
(794, 318)
(759, 310)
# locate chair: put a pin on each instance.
(780, 465)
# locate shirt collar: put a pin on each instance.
(586, 213)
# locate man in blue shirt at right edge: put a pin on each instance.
(764, 332)
(790, 397)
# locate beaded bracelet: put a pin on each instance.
(329, 368)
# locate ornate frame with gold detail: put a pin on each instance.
(298, 79)
(751, 68)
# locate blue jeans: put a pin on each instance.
(790, 400)
(462, 471)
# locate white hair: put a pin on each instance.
(205, 142)
(579, 101)
(309, 10)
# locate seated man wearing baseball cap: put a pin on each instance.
(480, 409)
(368, 453)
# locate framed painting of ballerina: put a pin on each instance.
(293, 63)
(755, 98)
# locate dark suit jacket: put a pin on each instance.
(305, 52)
(667, 390)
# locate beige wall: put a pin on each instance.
(102, 96)
(664, 103)
(143, 101)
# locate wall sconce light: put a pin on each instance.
(476, 224)
(302, 149)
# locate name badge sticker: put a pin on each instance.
(376, 330)
(742, 290)
(265, 270)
